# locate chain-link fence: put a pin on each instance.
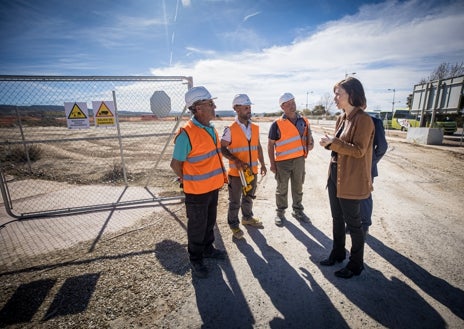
(75, 144)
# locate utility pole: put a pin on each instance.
(393, 101)
(307, 93)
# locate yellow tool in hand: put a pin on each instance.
(246, 176)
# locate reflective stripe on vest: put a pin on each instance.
(199, 158)
(242, 148)
(290, 145)
(202, 176)
(203, 170)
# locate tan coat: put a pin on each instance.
(354, 148)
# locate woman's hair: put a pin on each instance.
(355, 91)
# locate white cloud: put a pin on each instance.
(206, 52)
(250, 16)
(388, 45)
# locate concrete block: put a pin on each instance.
(428, 136)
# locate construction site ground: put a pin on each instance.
(129, 268)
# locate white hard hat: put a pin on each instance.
(285, 97)
(196, 94)
(241, 99)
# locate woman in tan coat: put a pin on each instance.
(349, 179)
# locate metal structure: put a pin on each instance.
(440, 96)
(48, 168)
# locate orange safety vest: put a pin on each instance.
(244, 149)
(290, 145)
(203, 170)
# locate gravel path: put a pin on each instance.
(138, 276)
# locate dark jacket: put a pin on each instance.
(354, 155)
(380, 145)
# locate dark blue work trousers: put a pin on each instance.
(201, 218)
(366, 212)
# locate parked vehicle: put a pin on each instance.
(386, 117)
(404, 119)
(446, 122)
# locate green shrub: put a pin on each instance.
(18, 153)
(114, 174)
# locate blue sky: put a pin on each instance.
(259, 47)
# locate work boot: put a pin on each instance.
(301, 216)
(237, 233)
(279, 218)
(253, 221)
(199, 269)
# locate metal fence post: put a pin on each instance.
(26, 151)
(123, 164)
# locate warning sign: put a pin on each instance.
(77, 115)
(103, 113)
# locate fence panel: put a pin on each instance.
(59, 155)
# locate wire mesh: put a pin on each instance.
(48, 166)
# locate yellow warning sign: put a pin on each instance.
(106, 114)
(104, 111)
(76, 113)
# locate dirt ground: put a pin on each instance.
(138, 276)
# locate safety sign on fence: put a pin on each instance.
(103, 113)
(77, 115)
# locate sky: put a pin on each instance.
(259, 47)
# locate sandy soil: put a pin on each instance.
(139, 276)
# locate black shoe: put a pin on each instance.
(346, 273)
(215, 253)
(331, 261)
(199, 269)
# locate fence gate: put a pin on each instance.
(73, 144)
